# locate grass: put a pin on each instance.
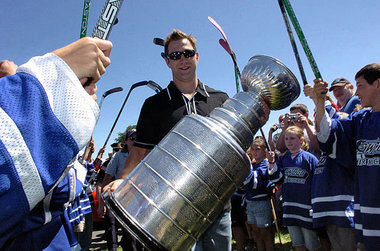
(285, 239)
(285, 245)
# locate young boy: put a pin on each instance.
(358, 137)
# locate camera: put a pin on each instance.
(293, 116)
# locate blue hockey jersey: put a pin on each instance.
(332, 191)
(257, 185)
(296, 189)
(332, 194)
(358, 138)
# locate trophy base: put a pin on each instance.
(137, 232)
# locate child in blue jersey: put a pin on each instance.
(257, 194)
(333, 192)
(297, 167)
(358, 137)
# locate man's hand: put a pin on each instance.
(301, 121)
(288, 121)
(87, 57)
(112, 186)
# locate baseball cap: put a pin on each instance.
(116, 145)
(339, 82)
(130, 132)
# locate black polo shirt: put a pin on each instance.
(162, 111)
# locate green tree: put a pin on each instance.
(121, 135)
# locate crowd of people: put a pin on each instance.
(316, 167)
(323, 171)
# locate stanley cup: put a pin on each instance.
(182, 185)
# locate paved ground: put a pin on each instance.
(98, 239)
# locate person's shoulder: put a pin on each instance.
(309, 155)
(158, 97)
(284, 155)
(355, 100)
(361, 113)
(213, 91)
(264, 164)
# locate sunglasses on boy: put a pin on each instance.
(175, 55)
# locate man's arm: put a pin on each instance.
(136, 155)
(106, 180)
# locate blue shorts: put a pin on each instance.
(304, 237)
(259, 213)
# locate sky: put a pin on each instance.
(343, 36)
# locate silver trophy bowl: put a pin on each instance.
(182, 185)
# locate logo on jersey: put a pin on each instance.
(321, 165)
(368, 152)
(295, 175)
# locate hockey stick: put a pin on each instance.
(293, 43)
(275, 220)
(102, 30)
(224, 43)
(85, 15)
(227, 47)
(106, 20)
(302, 39)
(105, 94)
(151, 84)
(160, 42)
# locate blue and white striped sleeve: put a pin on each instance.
(46, 117)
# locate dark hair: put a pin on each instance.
(370, 72)
(178, 35)
(301, 107)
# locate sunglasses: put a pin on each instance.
(132, 137)
(175, 55)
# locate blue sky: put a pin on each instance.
(343, 36)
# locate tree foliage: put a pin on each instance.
(121, 135)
